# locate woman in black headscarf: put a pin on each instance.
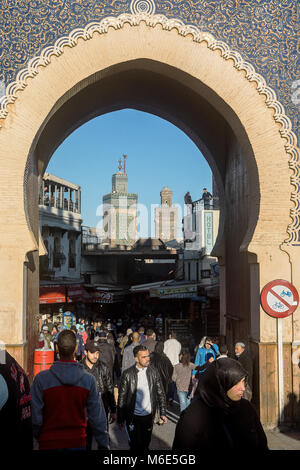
(219, 418)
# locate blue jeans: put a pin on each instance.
(184, 401)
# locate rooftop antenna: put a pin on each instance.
(124, 156)
(120, 164)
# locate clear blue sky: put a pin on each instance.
(159, 154)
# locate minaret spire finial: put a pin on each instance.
(124, 156)
(120, 164)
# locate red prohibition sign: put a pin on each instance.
(279, 298)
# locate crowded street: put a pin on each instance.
(107, 355)
(163, 434)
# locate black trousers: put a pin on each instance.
(139, 430)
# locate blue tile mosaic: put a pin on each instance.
(264, 32)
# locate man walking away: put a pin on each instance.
(246, 362)
(150, 342)
(223, 350)
(63, 398)
(128, 359)
(107, 352)
(172, 349)
(140, 394)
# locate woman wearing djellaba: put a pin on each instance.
(219, 418)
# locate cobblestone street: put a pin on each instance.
(162, 436)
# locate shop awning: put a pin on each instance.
(77, 293)
(140, 288)
(52, 294)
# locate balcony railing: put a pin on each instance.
(56, 202)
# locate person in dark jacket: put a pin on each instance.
(219, 418)
(140, 394)
(206, 197)
(107, 352)
(188, 198)
(63, 398)
(15, 406)
(246, 362)
(93, 365)
(162, 363)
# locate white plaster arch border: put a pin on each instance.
(198, 36)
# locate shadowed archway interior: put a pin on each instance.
(197, 110)
(182, 100)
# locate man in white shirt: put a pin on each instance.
(140, 394)
(172, 349)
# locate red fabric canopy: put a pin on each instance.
(52, 295)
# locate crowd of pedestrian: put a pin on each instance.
(107, 371)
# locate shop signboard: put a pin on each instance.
(105, 297)
(178, 292)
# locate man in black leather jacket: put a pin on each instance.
(140, 394)
(92, 364)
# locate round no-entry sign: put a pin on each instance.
(279, 298)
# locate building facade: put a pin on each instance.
(200, 228)
(60, 225)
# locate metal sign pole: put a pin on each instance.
(280, 369)
(279, 298)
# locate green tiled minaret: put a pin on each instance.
(120, 210)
